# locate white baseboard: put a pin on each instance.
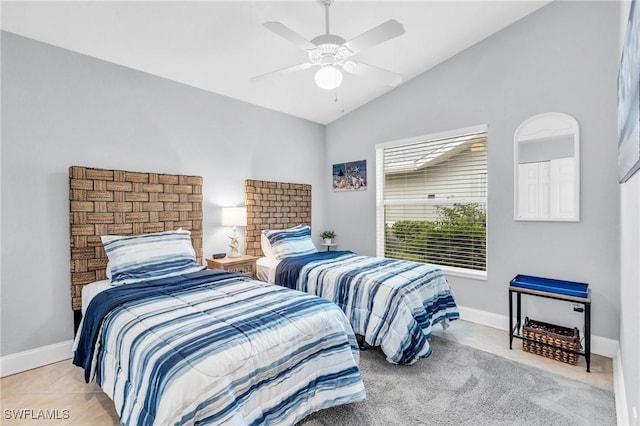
(599, 345)
(604, 346)
(622, 412)
(34, 358)
(501, 322)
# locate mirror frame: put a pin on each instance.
(540, 127)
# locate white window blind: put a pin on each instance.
(432, 199)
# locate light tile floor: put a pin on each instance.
(60, 386)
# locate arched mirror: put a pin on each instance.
(547, 168)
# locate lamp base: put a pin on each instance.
(234, 244)
(236, 254)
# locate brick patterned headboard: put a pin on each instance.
(118, 202)
(274, 205)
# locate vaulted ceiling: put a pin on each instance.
(218, 46)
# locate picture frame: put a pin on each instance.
(629, 98)
(351, 176)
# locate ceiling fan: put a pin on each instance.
(332, 54)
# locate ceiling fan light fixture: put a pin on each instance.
(328, 77)
(331, 53)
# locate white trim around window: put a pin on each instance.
(426, 184)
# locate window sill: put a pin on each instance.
(464, 273)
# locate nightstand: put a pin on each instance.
(244, 264)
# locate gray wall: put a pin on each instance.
(61, 108)
(562, 58)
(630, 276)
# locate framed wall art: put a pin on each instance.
(629, 98)
(350, 176)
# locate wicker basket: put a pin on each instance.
(561, 337)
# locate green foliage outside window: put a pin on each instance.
(456, 238)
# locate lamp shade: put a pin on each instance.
(234, 216)
(328, 77)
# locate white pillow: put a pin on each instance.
(290, 242)
(266, 246)
(134, 258)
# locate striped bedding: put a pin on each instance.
(214, 347)
(392, 303)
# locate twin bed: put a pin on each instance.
(391, 304)
(172, 343)
(214, 347)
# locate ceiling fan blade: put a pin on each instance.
(361, 69)
(286, 32)
(377, 35)
(287, 70)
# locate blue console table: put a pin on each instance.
(568, 291)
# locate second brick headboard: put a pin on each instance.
(274, 205)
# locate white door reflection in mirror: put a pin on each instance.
(547, 168)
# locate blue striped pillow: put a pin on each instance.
(294, 241)
(134, 258)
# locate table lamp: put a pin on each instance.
(234, 216)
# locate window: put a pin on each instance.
(431, 200)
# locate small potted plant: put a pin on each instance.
(327, 236)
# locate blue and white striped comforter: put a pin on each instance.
(218, 348)
(392, 303)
